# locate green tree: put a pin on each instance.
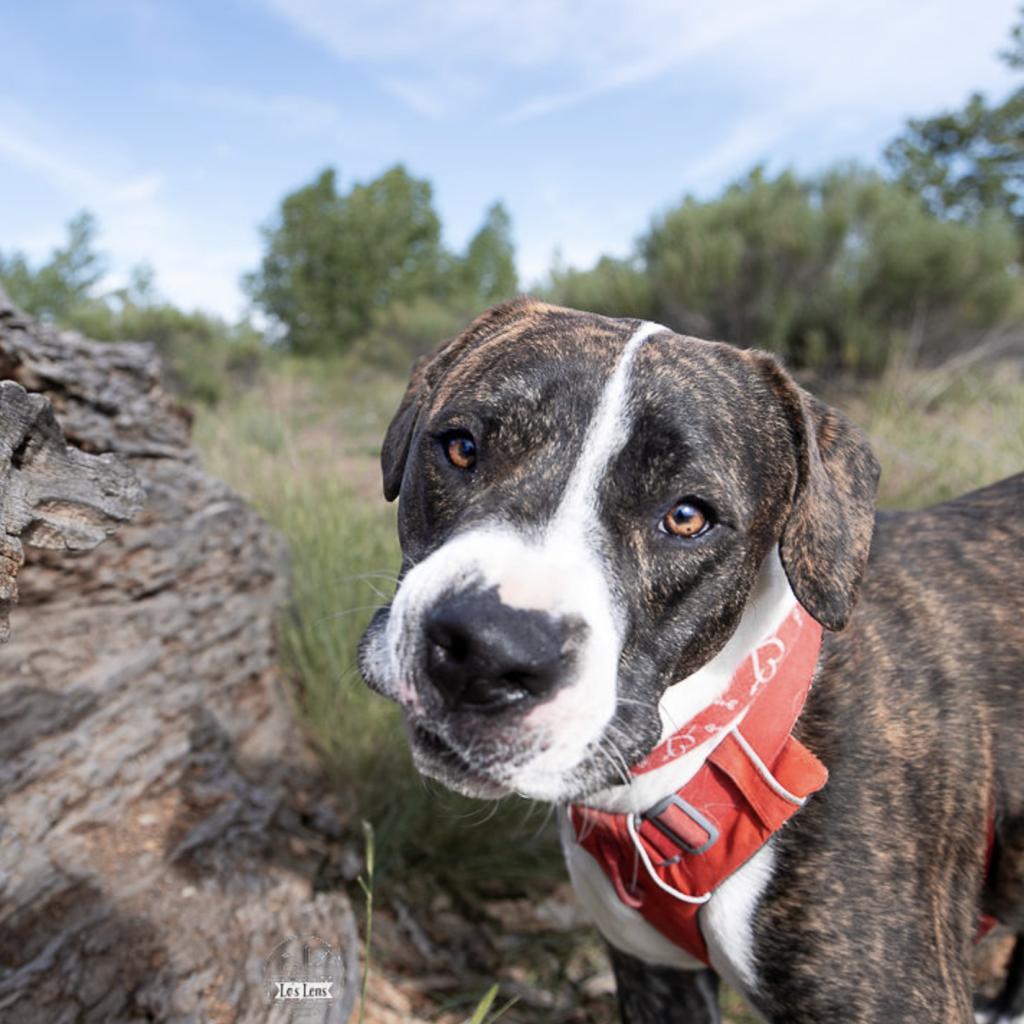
(837, 271)
(333, 261)
(615, 287)
(739, 267)
(465, 286)
(297, 282)
(395, 235)
(488, 269)
(965, 162)
(63, 282)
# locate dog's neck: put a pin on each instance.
(770, 601)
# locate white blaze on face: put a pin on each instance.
(557, 570)
(579, 712)
(607, 434)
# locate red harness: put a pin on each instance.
(667, 861)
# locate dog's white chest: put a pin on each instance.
(726, 920)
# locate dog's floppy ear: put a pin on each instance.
(395, 450)
(826, 539)
(426, 373)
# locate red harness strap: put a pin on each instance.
(667, 861)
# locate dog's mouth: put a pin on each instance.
(440, 759)
(433, 744)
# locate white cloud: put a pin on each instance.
(23, 150)
(141, 189)
(587, 48)
(457, 53)
(434, 31)
(748, 140)
(419, 96)
(671, 44)
(432, 95)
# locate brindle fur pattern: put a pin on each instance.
(917, 708)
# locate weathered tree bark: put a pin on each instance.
(163, 823)
(51, 496)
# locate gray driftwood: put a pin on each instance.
(162, 823)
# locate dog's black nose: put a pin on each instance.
(481, 654)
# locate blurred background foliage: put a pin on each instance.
(843, 271)
(200, 352)
(338, 266)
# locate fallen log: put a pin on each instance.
(163, 823)
(51, 495)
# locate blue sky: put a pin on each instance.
(181, 124)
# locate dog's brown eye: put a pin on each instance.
(685, 520)
(460, 448)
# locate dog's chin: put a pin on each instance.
(438, 760)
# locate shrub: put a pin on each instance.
(836, 272)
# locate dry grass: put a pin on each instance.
(941, 433)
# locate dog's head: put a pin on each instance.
(586, 508)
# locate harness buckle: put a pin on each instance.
(673, 817)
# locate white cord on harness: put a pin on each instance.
(631, 826)
(763, 771)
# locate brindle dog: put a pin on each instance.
(548, 603)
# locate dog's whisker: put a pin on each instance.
(380, 593)
(473, 815)
(492, 807)
(373, 574)
(620, 757)
(348, 611)
(547, 812)
(343, 681)
(613, 759)
(646, 704)
(589, 824)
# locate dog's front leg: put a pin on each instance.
(664, 995)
